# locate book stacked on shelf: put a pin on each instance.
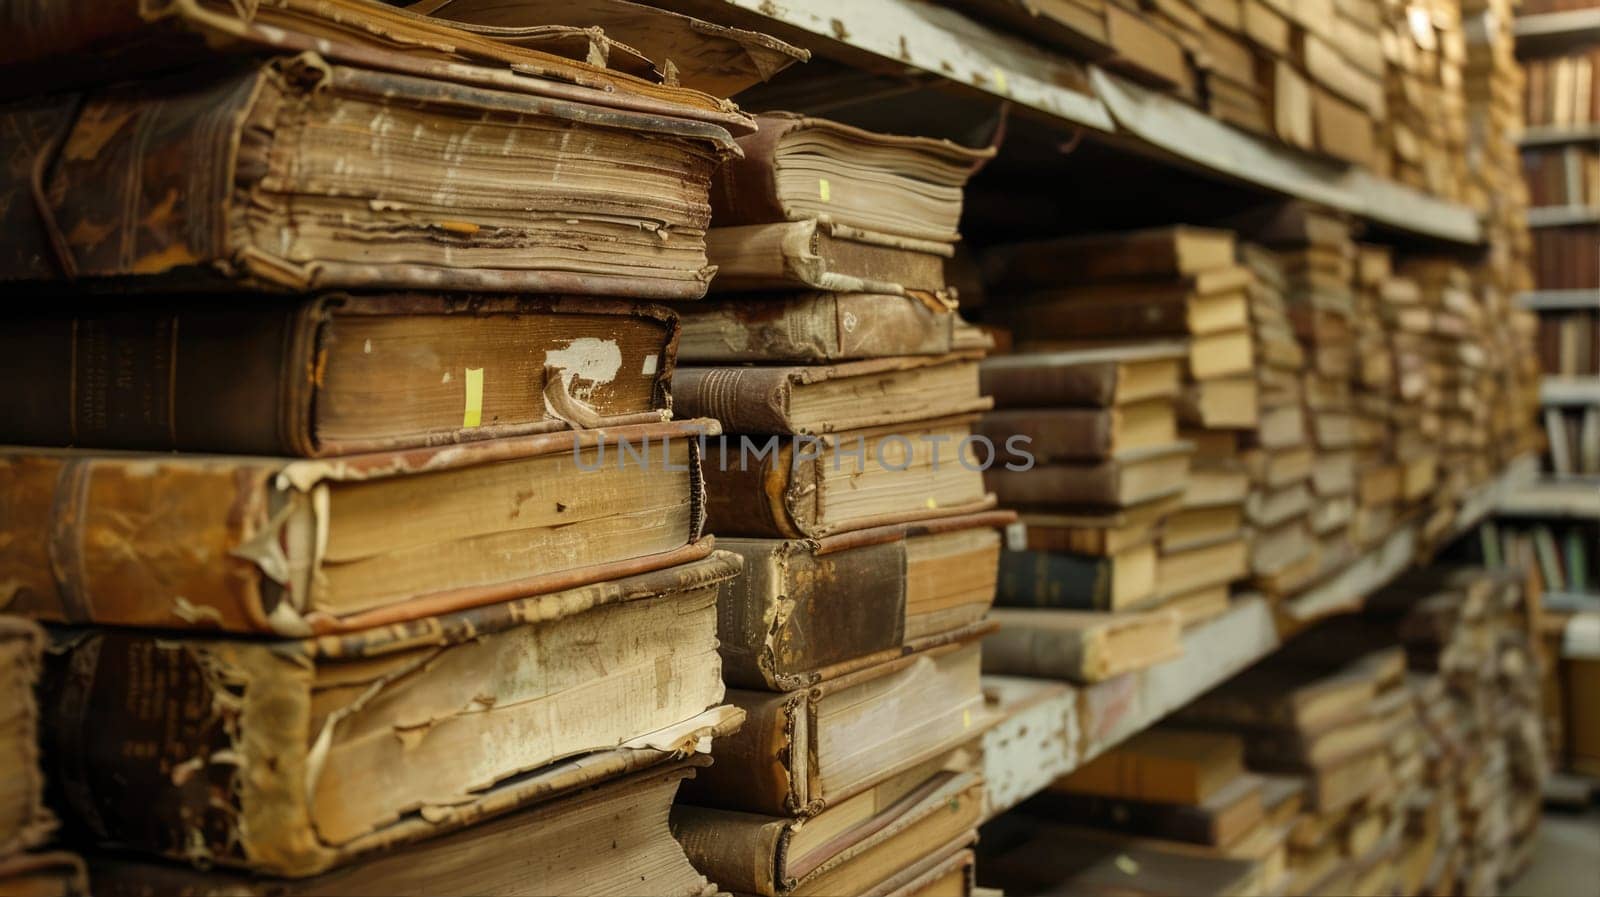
(1564, 257)
(1561, 90)
(1572, 434)
(1558, 556)
(1562, 175)
(28, 863)
(1569, 342)
(851, 485)
(1379, 472)
(1424, 136)
(360, 591)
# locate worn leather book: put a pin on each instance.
(1076, 27)
(1095, 532)
(1219, 820)
(836, 398)
(804, 610)
(813, 328)
(1155, 310)
(1223, 403)
(1062, 580)
(1220, 354)
(66, 43)
(24, 821)
(328, 375)
(1118, 482)
(1079, 646)
(1162, 253)
(1096, 378)
(1178, 766)
(301, 755)
(295, 547)
(796, 168)
(1280, 696)
(824, 255)
(53, 873)
(1082, 434)
(845, 849)
(1042, 857)
(950, 871)
(606, 838)
(804, 751)
(790, 489)
(356, 177)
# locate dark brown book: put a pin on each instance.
(1219, 820)
(605, 838)
(809, 487)
(796, 167)
(1163, 253)
(1050, 858)
(1076, 27)
(812, 328)
(823, 255)
(24, 821)
(1157, 310)
(835, 398)
(356, 177)
(1078, 434)
(381, 737)
(1095, 378)
(1164, 764)
(804, 751)
(330, 375)
(808, 609)
(1079, 646)
(1118, 482)
(294, 546)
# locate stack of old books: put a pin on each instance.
(1424, 136)
(1379, 475)
(1406, 325)
(389, 589)
(27, 866)
(851, 485)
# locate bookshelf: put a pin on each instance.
(926, 42)
(1560, 300)
(1579, 391)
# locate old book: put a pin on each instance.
(1146, 310)
(804, 751)
(1146, 51)
(1051, 858)
(329, 375)
(1343, 130)
(1076, 27)
(824, 255)
(1209, 355)
(1053, 579)
(404, 731)
(1181, 571)
(845, 849)
(1282, 467)
(940, 874)
(794, 488)
(1163, 253)
(1095, 532)
(1293, 116)
(384, 209)
(1080, 646)
(1278, 749)
(295, 547)
(1279, 696)
(607, 838)
(53, 873)
(1118, 482)
(1271, 507)
(1200, 605)
(803, 610)
(1222, 819)
(24, 821)
(63, 43)
(1193, 527)
(1276, 549)
(1177, 766)
(1216, 485)
(1096, 378)
(1226, 403)
(818, 399)
(796, 168)
(812, 328)
(1080, 434)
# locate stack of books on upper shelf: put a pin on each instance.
(1493, 86)
(1558, 556)
(1379, 472)
(1397, 752)
(400, 588)
(1425, 134)
(28, 865)
(1561, 90)
(851, 485)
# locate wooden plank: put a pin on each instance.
(1562, 216)
(1034, 742)
(1559, 300)
(1555, 390)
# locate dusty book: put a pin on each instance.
(1080, 646)
(840, 482)
(1077, 434)
(303, 755)
(1163, 253)
(1223, 403)
(1280, 696)
(813, 328)
(355, 177)
(1118, 482)
(845, 849)
(1096, 532)
(1038, 857)
(1219, 820)
(297, 546)
(1094, 312)
(796, 167)
(1077, 26)
(1219, 354)
(1163, 764)
(1180, 571)
(825, 255)
(804, 751)
(807, 609)
(606, 838)
(1095, 378)
(1070, 581)
(24, 821)
(817, 399)
(328, 375)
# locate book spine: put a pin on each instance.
(744, 190)
(749, 496)
(1055, 580)
(1056, 434)
(1055, 485)
(1084, 385)
(743, 399)
(755, 769)
(738, 851)
(1021, 650)
(1079, 319)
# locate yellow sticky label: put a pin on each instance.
(966, 719)
(930, 502)
(1000, 79)
(473, 415)
(823, 190)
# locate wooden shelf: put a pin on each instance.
(1546, 135)
(1554, 31)
(923, 40)
(1562, 216)
(1569, 391)
(1041, 729)
(1552, 500)
(1560, 300)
